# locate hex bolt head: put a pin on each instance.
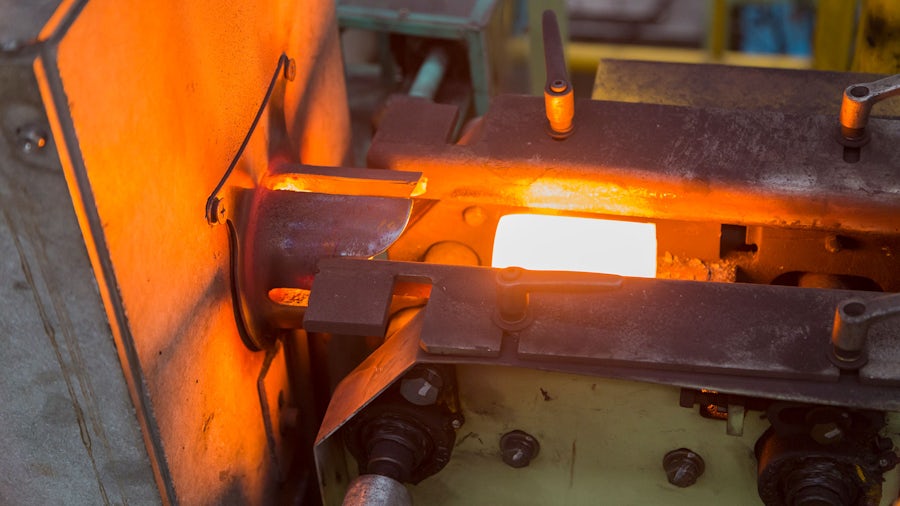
(290, 70)
(683, 467)
(518, 448)
(31, 138)
(833, 244)
(421, 386)
(217, 213)
(827, 425)
(827, 433)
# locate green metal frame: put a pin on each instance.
(470, 30)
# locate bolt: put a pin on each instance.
(474, 216)
(559, 86)
(833, 244)
(826, 433)
(290, 70)
(31, 138)
(828, 425)
(859, 91)
(518, 448)
(683, 467)
(218, 211)
(10, 45)
(888, 459)
(456, 423)
(421, 386)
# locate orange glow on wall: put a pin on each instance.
(543, 242)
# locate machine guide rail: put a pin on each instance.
(752, 340)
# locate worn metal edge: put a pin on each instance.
(62, 127)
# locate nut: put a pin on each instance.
(827, 433)
(290, 69)
(683, 467)
(519, 448)
(421, 386)
(31, 138)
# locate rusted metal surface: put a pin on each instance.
(727, 87)
(647, 160)
(722, 328)
(764, 341)
(149, 124)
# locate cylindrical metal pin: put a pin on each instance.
(559, 98)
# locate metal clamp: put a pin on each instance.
(857, 104)
(852, 320)
(559, 98)
(514, 284)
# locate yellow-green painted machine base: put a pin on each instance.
(602, 442)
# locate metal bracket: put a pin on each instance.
(852, 320)
(215, 209)
(515, 283)
(559, 97)
(673, 332)
(283, 220)
(855, 108)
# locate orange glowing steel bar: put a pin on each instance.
(543, 242)
(348, 181)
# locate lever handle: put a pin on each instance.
(515, 283)
(852, 320)
(559, 98)
(857, 104)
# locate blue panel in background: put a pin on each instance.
(783, 28)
